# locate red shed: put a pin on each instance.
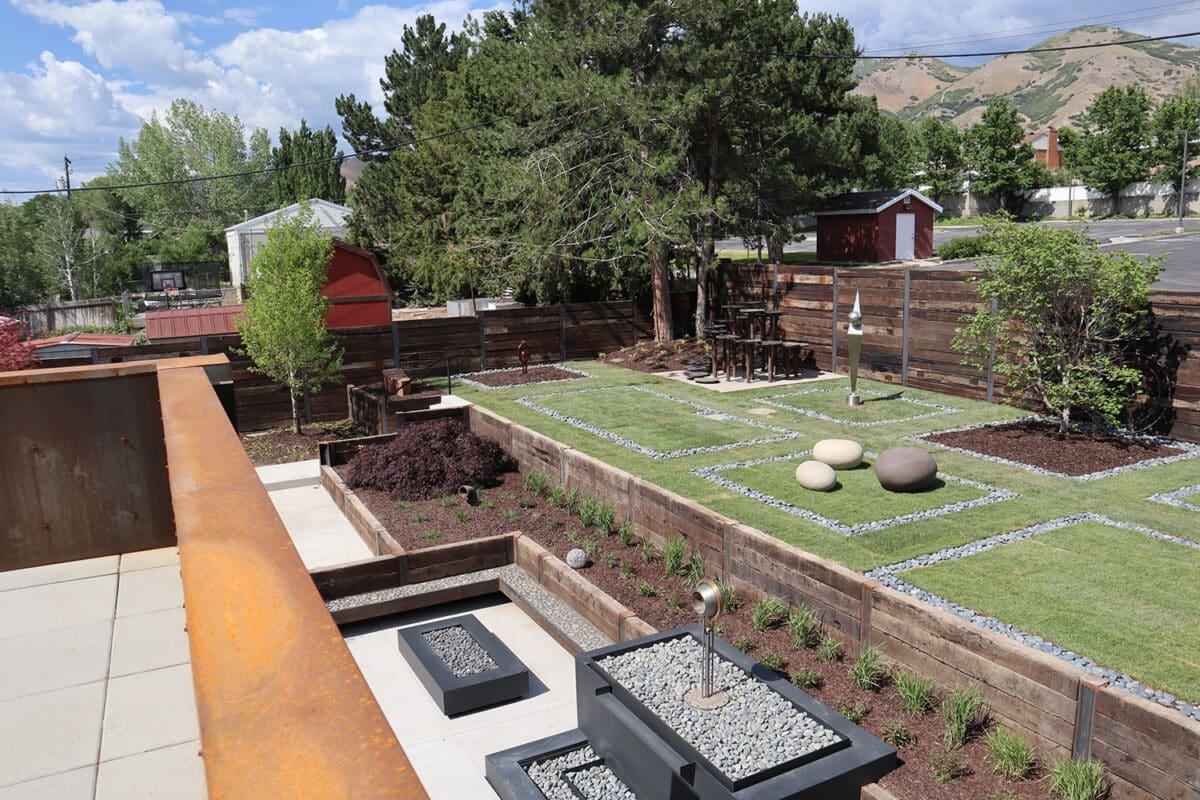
(357, 289)
(892, 225)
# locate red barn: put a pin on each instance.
(892, 225)
(357, 289)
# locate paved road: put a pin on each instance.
(1101, 229)
(1181, 269)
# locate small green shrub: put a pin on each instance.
(417, 517)
(647, 551)
(589, 546)
(771, 660)
(964, 247)
(536, 482)
(511, 515)
(946, 766)
(1078, 780)
(485, 502)
(897, 734)
(527, 502)
(829, 650)
(742, 642)
(674, 550)
(449, 501)
(402, 505)
(558, 497)
(729, 596)
(573, 536)
(695, 569)
(646, 589)
(672, 605)
(964, 712)
(605, 519)
(853, 711)
(608, 560)
(802, 621)
(432, 535)
(768, 612)
(589, 510)
(805, 678)
(462, 516)
(869, 671)
(916, 693)
(1012, 756)
(625, 534)
(571, 502)
(626, 570)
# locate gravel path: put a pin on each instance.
(556, 775)
(459, 650)
(758, 728)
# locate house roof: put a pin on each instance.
(870, 202)
(83, 340)
(329, 216)
(187, 323)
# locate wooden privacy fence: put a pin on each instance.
(911, 316)
(426, 348)
(101, 313)
(1152, 752)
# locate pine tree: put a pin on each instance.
(321, 179)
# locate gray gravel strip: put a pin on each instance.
(890, 576)
(992, 494)
(1175, 498)
(758, 729)
(701, 410)
(459, 651)
(555, 777)
(1189, 450)
(776, 401)
(566, 619)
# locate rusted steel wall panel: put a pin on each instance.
(84, 466)
(284, 710)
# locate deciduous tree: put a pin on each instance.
(940, 146)
(284, 331)
(1002, 164)
(14, 355)
(1113, 147)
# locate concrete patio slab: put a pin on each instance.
(149, 559)
(738, 384)
(55, 573)
(149, 641)
(77, 784)
(44, 661)
(290, 475)
(169, 773)
(149, 710)
(146, 590)
(50, 732)
(63, 604)
(322, 534)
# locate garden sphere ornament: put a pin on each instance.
(854, 334)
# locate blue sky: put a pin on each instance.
(75, 76)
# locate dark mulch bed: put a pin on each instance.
(516, 378)
(1040, 445)
(281, 446)
(508, 507)
(655, 357)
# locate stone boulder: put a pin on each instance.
(576, 558)
(838, 453)
(905, 469)
(816, 475)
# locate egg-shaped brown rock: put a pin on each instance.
(905, 469)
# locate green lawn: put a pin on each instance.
(748, 257)
(876, 409)
(665, 426)
(1123, 598)
(660, 424)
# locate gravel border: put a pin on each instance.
(459, 651)
(1175, 498)
(939, 409)
(588, 774)
(1189, 450)
(889, 576)
(701, 410)
(466, 377)
(992, 494)
(758, 728)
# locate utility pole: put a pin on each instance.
(67, 172)
(1183, 181)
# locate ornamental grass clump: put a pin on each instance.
(803, 622)
(427, 460)
(965, 713)
(915, 692)
(768, 613)
(1011, 755)
(589, 510)
(869, 671)
(674, 551)
(1078, 780)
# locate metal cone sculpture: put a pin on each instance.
(854, 335)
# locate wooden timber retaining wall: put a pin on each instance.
(426, 348)
(1151, 752)
(910, 317)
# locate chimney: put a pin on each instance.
(1053, 156)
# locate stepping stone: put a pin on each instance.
(708, 380)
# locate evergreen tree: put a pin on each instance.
(321, 179)
(1113, 148)
(1003, 165)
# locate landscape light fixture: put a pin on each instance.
(707, 603)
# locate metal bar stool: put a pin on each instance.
(793, 357)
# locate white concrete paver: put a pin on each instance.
(448, 754)
(96, 694)
(290, 475)
(322, 534)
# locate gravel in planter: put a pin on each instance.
(580, 768)
(459, 650)
(758, 729)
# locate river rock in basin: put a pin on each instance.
(816, 475)
(838, 453)
(905, 469)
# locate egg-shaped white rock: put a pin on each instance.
(816, 475)
(838, 453)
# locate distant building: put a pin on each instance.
(244, 239)
(873, 227)
(1046, 149)
(76, 345)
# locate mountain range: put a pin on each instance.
(1046, 88)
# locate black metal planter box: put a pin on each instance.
(646, 753)
(456, 694)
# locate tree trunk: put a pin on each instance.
(295, 406)
(663, 324)
(1064, 423)
(775, 248)
(708, 251)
